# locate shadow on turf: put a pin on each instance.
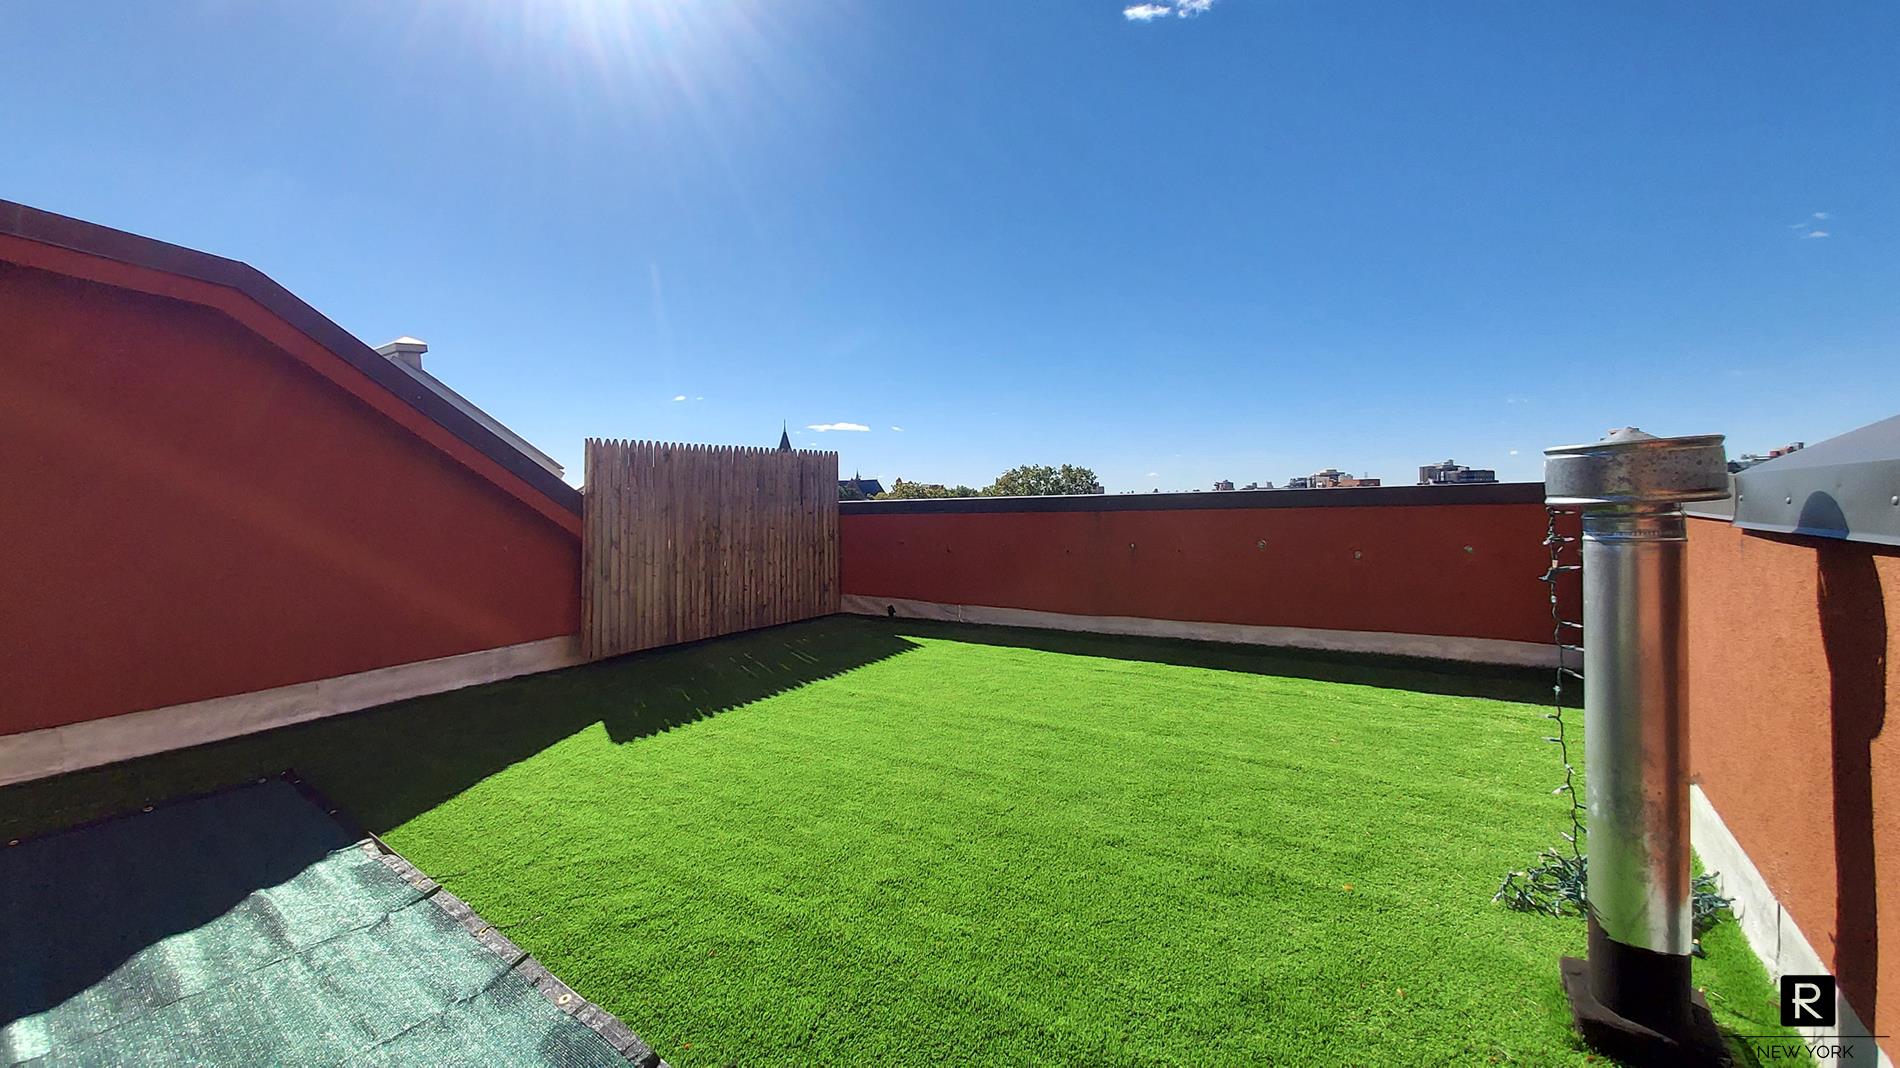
(1530, 685)
(385, 765)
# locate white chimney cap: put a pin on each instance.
(404, 350)
(404, 343)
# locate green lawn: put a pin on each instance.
(856, 841)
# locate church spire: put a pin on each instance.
(785, 438)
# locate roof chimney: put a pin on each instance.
(405, 350)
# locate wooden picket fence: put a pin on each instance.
(684, 542)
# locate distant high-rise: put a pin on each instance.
(1450, 473)
(1330, 478)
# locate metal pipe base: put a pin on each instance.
(1639, 1007)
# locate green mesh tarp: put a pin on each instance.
(249, 927)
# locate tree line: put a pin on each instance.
(1029, 480)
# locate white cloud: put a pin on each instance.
(1513, 452)
(1814, 233)
(681, 397)
(1823, 215)
(699, 398)
(823, 427)
(1152, 474)
(899, 429)
(1149, 10)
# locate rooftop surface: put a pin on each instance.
(861, 841)
(248, 926)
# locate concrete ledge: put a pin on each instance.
(37, 754)
(1427, 646)
(1770, 931)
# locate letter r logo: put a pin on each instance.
(1807, 1001)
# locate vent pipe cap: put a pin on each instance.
(1629, 467)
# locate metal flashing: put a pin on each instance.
(1846, 488)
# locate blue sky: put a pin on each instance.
(1245, 242)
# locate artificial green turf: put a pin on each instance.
(868, 842)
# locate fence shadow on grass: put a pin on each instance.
(385, 765)
(1530, 685)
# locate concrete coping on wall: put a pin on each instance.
(1343, 497)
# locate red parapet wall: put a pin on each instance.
(190, 512)
(1791, 679)
(1400, 562)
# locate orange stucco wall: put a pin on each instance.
(1463, 570)
(188, 512)
(1791, 671)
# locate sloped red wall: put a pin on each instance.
(187, 512)
(1457, 570)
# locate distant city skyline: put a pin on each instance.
(1738, 458)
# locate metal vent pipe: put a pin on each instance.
(1632, 998)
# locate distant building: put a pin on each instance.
(1224, 484)
(785, 439)
(867, 487)
(1750, 459)
(1454, 474)
(1257, 486)
(1330, 478)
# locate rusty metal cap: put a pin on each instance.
(1631, 467)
